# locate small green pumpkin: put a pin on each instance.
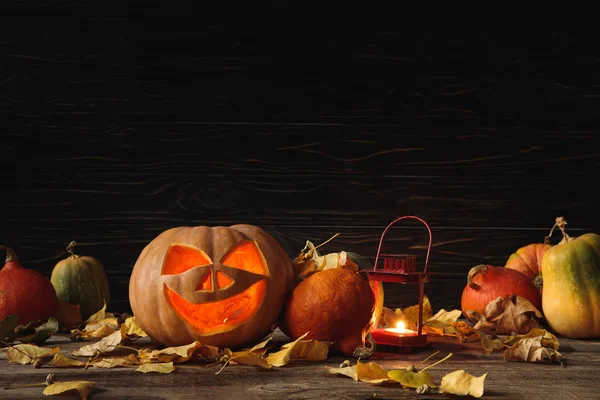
(81, 280)
(571, 293)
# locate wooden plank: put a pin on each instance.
(303, 379)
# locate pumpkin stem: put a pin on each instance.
(10, 253)
(364, 352)
(71, 249)
(560, 222)
(476, 270)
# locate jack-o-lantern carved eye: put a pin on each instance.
(215, 296)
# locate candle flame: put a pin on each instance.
(400, 326)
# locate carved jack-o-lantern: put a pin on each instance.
(221, 286)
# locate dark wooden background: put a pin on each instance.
(117, 128)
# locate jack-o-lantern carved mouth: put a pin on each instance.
(215, 297)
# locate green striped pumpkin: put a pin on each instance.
(81, 280)
(571, 291)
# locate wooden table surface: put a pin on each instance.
(308, 380)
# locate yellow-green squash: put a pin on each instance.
(81, 280)
(571, 292)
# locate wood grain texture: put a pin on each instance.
(309, 380)
(116, 128)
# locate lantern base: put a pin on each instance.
(394, 339)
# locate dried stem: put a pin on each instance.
(436, 363)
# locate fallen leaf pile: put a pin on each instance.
(111, 344)
(457, 382)
(509, 324)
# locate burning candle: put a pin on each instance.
(401, 329)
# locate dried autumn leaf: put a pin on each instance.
(447, 317)
(100, 329)
(372, 373)
(83, 387)
(97, 316)
(177, 354)
(462, 383)
(490, 344)
(282, 357)
(163, 368)
(412, 379)
(131, 328)
(263, 343)
(247, 357)
(508, 316)
(7, 328)
(530, 349)
(27, 353)
(346, 371)
(519, 316)
(113, 362)
(61, 360)
(41, 333)
(312, 350)
(107, 344)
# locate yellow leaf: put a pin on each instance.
(105, 345)
(132, 328)
(61, 360)
(262, 344)
(163, 368)
(97, 316)
(177, 354)
(489, 344)
(371, 372)
(312, 350)
(412, 379)
(462, 383)
(447, 317)
(99, 330)
(112, 362)
(27, 353)
(83, 387)
(346, 371)
(247, 357)
(282, 357)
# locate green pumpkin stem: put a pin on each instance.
(10, 253)
(476, 270)
(71, 248)
(559, 223)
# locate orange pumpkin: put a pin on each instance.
(222, 286)
(334, 305)
(25, 292)
(528, 261)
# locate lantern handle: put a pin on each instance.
(392, 223)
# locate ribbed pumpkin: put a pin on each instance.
(571, 295)
(81, 280)
(486, 283)
(528, 261)
(333, 305)
(223, 286)
(25, 292)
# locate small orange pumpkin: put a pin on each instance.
(334, 305)
(222, 286)
(528, 261)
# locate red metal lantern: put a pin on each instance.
(401, 268)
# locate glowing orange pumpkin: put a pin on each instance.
(223, 286)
